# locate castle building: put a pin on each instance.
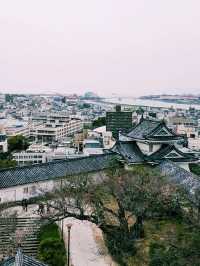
(151, 141)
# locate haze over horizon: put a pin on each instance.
(110, 46)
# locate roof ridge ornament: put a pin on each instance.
(19, 258)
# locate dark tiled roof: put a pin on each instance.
(129, 151)
(124, 137)
(8, 262)
(22, 260)
(147, 129)
(180, 176)
(40, 172)
(166, 149)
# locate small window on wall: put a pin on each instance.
(150, 147)
(33, 189)
(26, 190)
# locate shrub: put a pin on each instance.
(52, 252)
(51, 249)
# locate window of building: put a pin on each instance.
(33, 189)
(25, 190)
(192, 136)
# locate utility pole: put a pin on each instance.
(69, 226)
(62, 224)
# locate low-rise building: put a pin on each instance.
(38, 153)
(26, 158)
(92, 146)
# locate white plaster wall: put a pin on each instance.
(144, 147)
(194, 143)
(184, 166)
(4, 144)
(17, 193)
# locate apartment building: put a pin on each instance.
(50, 132)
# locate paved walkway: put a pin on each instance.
(87, 245)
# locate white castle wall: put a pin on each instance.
(184, 166)
(17, 193)
(145, 147)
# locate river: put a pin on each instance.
(151, 103)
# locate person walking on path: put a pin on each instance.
(48, 208)
(26, 205)
(41, 208)
(23, 204)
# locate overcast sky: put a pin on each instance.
(127, 47)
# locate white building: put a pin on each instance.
(100, 132)
(3, 143)
(26, 158)
(91, 147)
(51, 132)
(38, 153)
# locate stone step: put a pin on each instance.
(31, 226)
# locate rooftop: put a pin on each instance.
(180, 176)
(172, 153)
(49, 171)
(152, 130)
(129, 151)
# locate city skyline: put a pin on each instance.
(110, 47)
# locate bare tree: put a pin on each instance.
(121, 197)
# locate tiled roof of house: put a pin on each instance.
(129, 151)
(182, 177)
(21, 260)
(172, 153)
(40, 172)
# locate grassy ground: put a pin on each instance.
(49, 230)
(165, 232)
(51, 249)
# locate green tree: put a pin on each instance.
(52, 252)
(17, 143)
(101, 121)
(9, 98)
(195, 168)
(51, 248)
(7, 163)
